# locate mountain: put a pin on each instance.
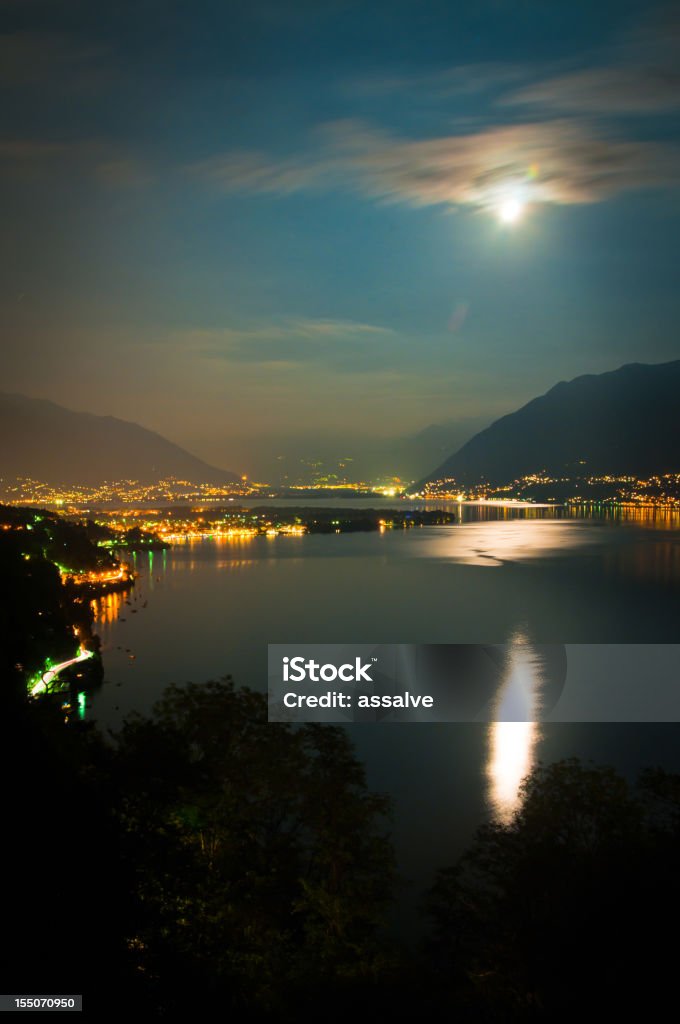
(408, 455)
(54, 445)
(300, 458)
(622, 422)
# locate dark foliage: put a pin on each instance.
(568, 906)
(204, 856)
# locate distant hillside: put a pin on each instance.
(49, 443)
(299, 458)
(622, 422)
(407, 455)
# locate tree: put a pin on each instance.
(561, 908)
(263, 867)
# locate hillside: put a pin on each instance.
(622, 422)
(49, 443)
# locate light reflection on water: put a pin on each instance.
(653, 517)
(626, 552)
(512, 540)
(512, 751)
(652, 562)
(513, 738)
(108, 608)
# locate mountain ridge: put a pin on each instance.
(619, 421)
(53, 444)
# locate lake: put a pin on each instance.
(209, 608)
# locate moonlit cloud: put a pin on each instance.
(636, 74)
(605, 91)
(461, 80)
(290, 340)
(573, 150)
(561, 161)
(251, 171)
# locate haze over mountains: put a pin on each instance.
(622, 422)
(42, 440)
(299, 458)
(55, 445)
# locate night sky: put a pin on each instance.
(330, 218)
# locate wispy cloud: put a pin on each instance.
(638, 73)
(635, 73)
(252, 171)
(576, 148)
(443, 83)
(288, 341)
(608, 90)
(557, 161)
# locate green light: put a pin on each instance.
(35, 684)
(82, 705)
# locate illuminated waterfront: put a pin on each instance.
(605, 491)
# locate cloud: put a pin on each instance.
(636, 74)
(606, 90)
(290, 341)
(572, 150)
(558, 161)
(444, 83)
(250, 171)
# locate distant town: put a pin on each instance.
(655, 490)
(171, 490)
(662, 489)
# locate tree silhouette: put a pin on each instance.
(563, 906)
(263, 867)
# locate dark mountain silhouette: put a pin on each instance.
(54, 445)
(622, 422)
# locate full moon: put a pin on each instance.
(510, 211)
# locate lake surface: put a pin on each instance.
(206, 609)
